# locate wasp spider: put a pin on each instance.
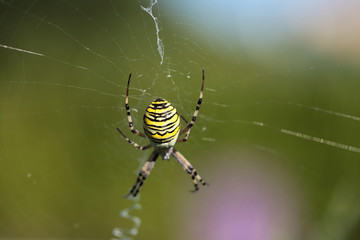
(162, 128)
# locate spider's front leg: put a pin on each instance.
(144, 173)
(189, 169)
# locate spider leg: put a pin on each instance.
(183, 118)
(188, 127)
(144, 173)
(132, 142)
(131, 125)
(184, 139)
(189, 169)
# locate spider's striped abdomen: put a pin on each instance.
(161, 123)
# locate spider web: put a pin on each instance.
(272, 91)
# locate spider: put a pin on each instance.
(161, 124)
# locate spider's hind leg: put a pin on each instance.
(127, 107)
(189, 169)
(188, 126)
(132, 142)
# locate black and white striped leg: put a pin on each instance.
(186, 136)
(132, 142)
(189, 169)
(144, 173)
(187, 133)
(131, 125)
(191, 124)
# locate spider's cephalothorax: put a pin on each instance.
(162, 128)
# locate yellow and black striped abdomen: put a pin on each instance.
(161, 123)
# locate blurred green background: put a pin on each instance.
(277, 135)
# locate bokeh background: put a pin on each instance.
(277, 136)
